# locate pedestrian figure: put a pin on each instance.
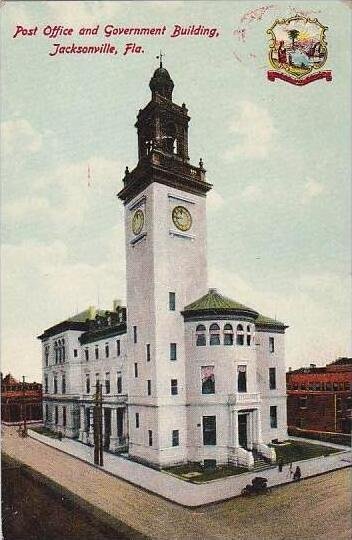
(297, 474)
(280, 464)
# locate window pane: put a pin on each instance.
(173, 351)
(209, 430)
(242, 379)
(172, 301)
(273, 416)
(175, 437)
(208, 380)
(272, 378)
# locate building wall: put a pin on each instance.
(159, 263)
(272, 397)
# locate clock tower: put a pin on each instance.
(165, 232)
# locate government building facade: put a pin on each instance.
(188, 375)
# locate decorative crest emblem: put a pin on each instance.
(298, 50)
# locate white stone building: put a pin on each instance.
(188, 375)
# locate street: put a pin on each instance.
(315, 508)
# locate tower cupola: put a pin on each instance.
(161, 83)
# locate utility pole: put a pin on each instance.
(24, 407)
(98, 425)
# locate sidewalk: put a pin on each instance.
(185, 493)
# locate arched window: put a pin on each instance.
(63, 351)
(56, 352)
(200, 333)
(239, 335)
(249, 336)
(214, 330)
(228, 334)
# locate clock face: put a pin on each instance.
(182, 218)
(137, 222)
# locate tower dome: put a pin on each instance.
(161, 83)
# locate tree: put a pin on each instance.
(293, 35)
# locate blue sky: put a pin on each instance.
(278, 157)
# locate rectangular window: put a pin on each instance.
(55, 385)
(46, 384)
(46, 412)
(328, 386)
(335, 386)
(338, 404)
(107, 350)
(150, 437)
(175, 437)
(118, 347)
(64, 416)
(174, 388)
(172, 301)
(107, 383)
(346, 385)
(97, 381)
(97, 352)
(119, 382)
(208, 379)
(63, 385)
(242, 379)
(87, 384)
(56, 414)
(46, 352)
(149, 387)
(272, 378)
(148, 351)
(137, 420)
(173, 351)
(135, 369)
(135, 334)
(86, 352)
(273, 416)
(75, 353)
(271, 344)
(209, 430)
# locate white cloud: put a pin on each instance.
(315, 306)
(252, 192)
(19, 138)
(22, 209)
(42, 285)
(312, 189)
(66, 196)
(254, 131)
(214, 200)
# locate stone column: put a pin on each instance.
(90, 431)
(125, 424)
(235, 429)
(114, 440)
(259, 426)
(250, 431)
(82, 431)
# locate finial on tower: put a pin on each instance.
(160, 57)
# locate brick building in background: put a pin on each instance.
(19, 399)
(319, 401)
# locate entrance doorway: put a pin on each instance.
(107, 428)
(242, 430)
(120, 423)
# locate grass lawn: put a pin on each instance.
(194, 472)
(297, 451)
(45, 431)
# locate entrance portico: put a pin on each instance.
(115, 434)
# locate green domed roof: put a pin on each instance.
(214, 301)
